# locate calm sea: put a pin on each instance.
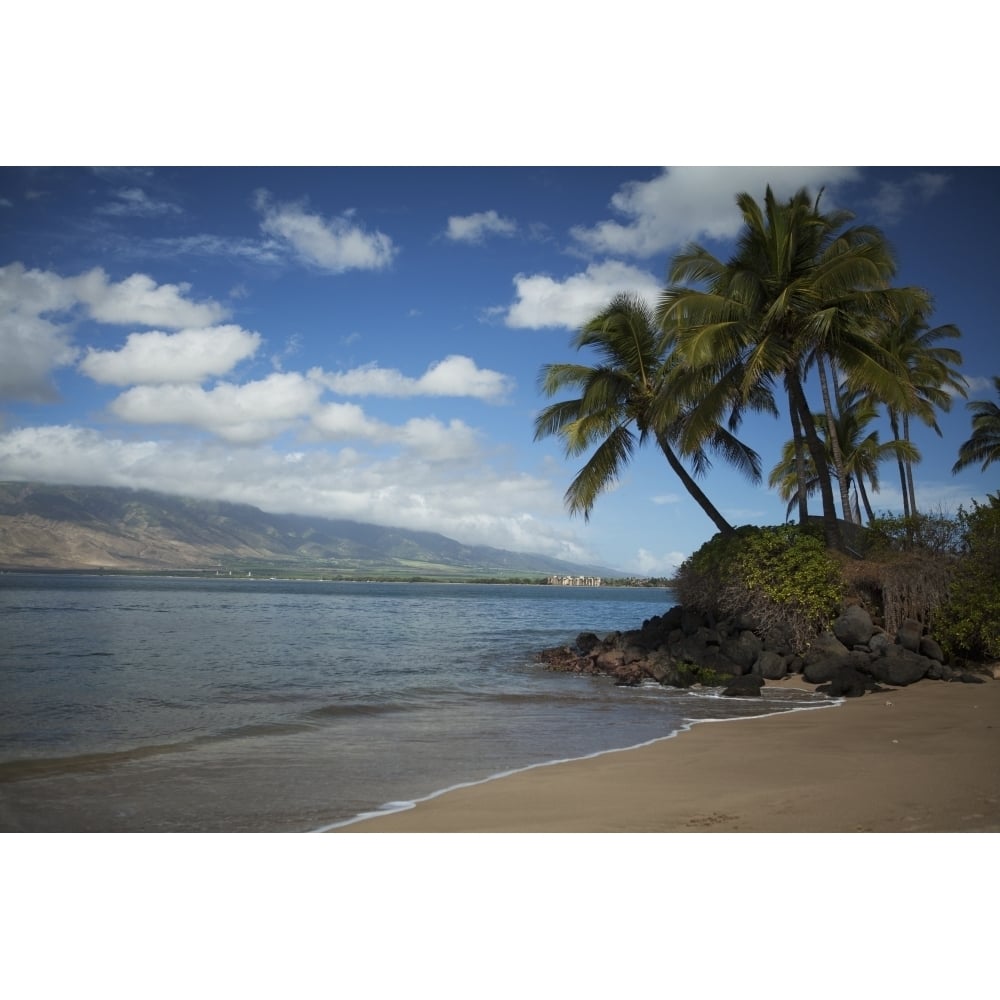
(160, 704)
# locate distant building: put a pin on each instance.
(574, 581)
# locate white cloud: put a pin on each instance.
(435, 441)
(346, 421)
(476, 227)
(542, 301)
(468, 500)
(648, 564)
(241, 414)
(33, 346)
(135, 201)
(667, 498)
(138, 299)
(336, 245)
(456, 375)
(425, 437)
(157, 357)
(682, 204)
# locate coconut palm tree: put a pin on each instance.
(800, 286)
(928, 374)
(622, 403)
(984, 445)
(862, 452)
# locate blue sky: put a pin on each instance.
(366, 342)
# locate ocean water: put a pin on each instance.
(167, 704)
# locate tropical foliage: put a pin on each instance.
(968, 623)
(804, 304)
(781, 577)
(801, 289)
(623, 403)
(984, 445)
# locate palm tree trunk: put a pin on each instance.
(864, 499)
(894, 425)
(834, 437)
(800, 470)
(693, 488)
(797, 400)
(909, 466)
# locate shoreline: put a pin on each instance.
(915, 759)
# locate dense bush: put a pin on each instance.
(782, 577)
(701, 578)
(931, 534)
(968, 621)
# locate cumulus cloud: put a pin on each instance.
(426, 437)
(34, 343)
(31, 346)
(156, 357)
(542, 301)
(476, 227)
(456, 375)
(336, 245)
(139, 299)
(682, 204)
(242, 414)
(135, 201)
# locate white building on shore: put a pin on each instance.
(574, 581)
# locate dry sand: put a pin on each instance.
(922, 758)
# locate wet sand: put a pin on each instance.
(924, 758)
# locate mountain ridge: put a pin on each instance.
(66, 527)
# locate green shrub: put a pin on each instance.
(702, 577)
(782, 577)
(968, 622)
(931, 534)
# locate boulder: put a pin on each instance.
(879, 642)
(691, 621)
(908, 635)
(744, 649)
(847, 682)
(741, 687)
(899, 667)
(771, 666)
(854, 627)
(826, 654)
(585, 643)
(610, 659)
(930, 648)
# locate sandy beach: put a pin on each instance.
(925, 758)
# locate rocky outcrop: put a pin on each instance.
(683, 648)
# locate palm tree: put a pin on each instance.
(626, 390)
(799, 287)
(862, 453)
(984, 445)
(928, 374)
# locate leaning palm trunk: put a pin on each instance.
(692, 487)
(834, 438)
(864, 499)
(909, 467)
